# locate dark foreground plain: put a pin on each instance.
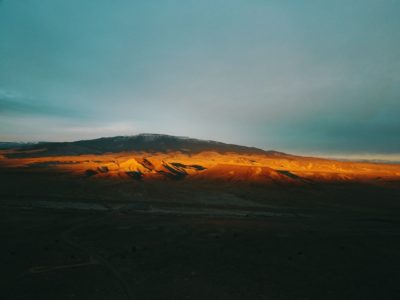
(64, 238)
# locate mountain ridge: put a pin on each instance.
(145, 142)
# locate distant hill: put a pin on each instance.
(13, 145)
(150, 143)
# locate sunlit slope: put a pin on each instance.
(257, 168)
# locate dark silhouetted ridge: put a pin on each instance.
(150, 143)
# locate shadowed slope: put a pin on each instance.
(150, 143)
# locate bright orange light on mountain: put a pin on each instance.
(211, 166)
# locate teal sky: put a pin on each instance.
(297, 76)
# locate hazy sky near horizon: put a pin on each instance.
(297, 76)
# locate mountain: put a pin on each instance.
(150, 143)
(154, 157)
(13, 145)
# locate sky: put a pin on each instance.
(299, 76)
